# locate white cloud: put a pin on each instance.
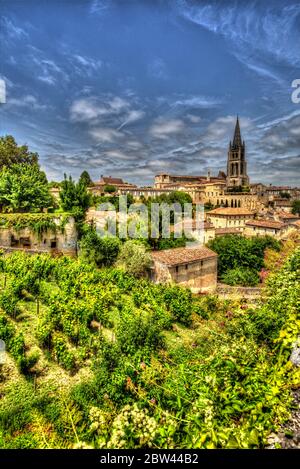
(83, 110)
(118, 155)
(132, 116)
(105, 135)
(260, 36)
(198, 102)
(99, 6)
(194, 119)
(164, 129)
(90, 109)
(88, 62)
(28, 101)
(14, 31)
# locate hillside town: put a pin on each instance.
(232, 206)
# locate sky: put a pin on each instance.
(134, 88)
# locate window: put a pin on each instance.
(53, 244)
(186, 266)
(176, 269)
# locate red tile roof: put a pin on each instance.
(178, 256)
(277, 225)
(288, 216)
(110, 180)
(230, 211)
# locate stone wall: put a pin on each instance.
(26, 239)
(199, 276)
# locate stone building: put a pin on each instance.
(195, 268)
(98, 188)
(229, 217)
(59, 235)
(200, 232)
(286, 217)
(273, 228)
(164, 180)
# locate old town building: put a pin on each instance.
(195, 268)
(273, 228)
(59, 237)
(236, 162)
(229, 217)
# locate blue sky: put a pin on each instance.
(133, 88)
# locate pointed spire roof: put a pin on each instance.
(237, 141)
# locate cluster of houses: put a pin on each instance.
(239, 208)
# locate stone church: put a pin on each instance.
(236, 161)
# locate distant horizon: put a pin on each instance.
(133, 89)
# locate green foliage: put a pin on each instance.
(62, 354)
(208, 206)
(134, 258)
(241, 276)
(141, 330)
(284, 195)
(24, 187)
(170, 243)
(85, 179)
(11, 153)
(220, 377)
(178, 301)
(296, 207)
(239, 252)
(74, 198)
(102, 251)
(110, 189)
(39, 223)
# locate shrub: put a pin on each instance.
(179, 302)
(134, 258)
(241, 276)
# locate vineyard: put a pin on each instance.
(96, 358)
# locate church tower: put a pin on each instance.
(236, 162)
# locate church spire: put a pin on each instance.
(237, 141)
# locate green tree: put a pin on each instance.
(134, 258)
(109, 189)
(102, 251)
(236, 251)
(11, 153)
(241, 276)
(296, 207)
(24, 187)
(85, 179)
(285, 195)
(74, 198)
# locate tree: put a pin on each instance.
(241, 276)
(134, 258)
(85, 179)
(11, 153)
(24, 187)
(296, 207)
(285, 195)
(110, 189)
(101, 251)
(239, 252)
(74, 198)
